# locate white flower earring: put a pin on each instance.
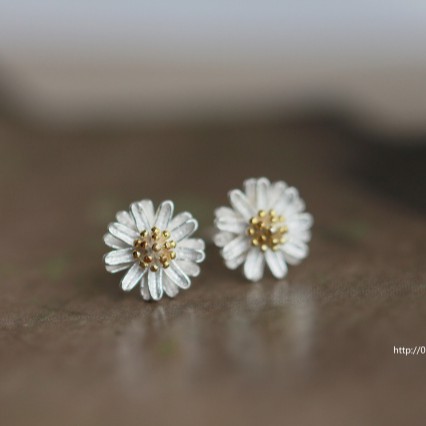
(155, 248)
(266, 223)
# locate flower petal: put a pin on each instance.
(241, 204)
(114, 242)
(290, 203)
(223, 238)
(132, 277)
(302, 222)
(179, 219)
(194, 243)
(164, 214)
(148, 207)
(177, 275)
(170, 288)
(254, 265)
(276, 192)
(139, 214)
(276, 263)
(296, 249)
(184, 230)
(237, 226)
(126, 219)
(236, 247)
(236, 262)
(155, 284)
(183, 253)
(189, 268)
(226, 212)
(296, 235)
(117, 257)
(291, 260)
(262, 192)
(250, 190)
(123, 233)
(117, 268)
(144, 288)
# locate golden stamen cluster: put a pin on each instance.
(154, 249)
(267, 230)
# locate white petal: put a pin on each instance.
(194, 243)
(226, 212)
(241, 204)
(262, 192)
(123, 233)
(155, 284)
(132, 277)
(189, 268)
(296, 235)
(237, 226)
(177, 275)
(254, 264)
(291, 260)
(141, 219)
(148, 208)
(276, 192)
(236, 247)
(302, 221)
(250, 190)
(183, 253)
(117, 268)
(114, 242)
(298, 250)
(126, 219)
(170, 288)
(184, 230)
(290, 203)
(276, 263)
(117, 257)
(236, 262)
(164, 214)
(223, 238)
(179, 219)
(144, 288)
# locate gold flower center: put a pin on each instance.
(154, 249)
(267, 230)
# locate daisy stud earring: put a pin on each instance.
(266, 223)
(154, 248)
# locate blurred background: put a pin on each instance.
(104, 103)
(72, 64)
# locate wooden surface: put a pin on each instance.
(317, 348)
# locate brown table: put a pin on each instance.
(317, 348)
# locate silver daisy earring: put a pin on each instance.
(266, 223)
(154, 248)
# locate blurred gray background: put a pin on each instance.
(71, 64)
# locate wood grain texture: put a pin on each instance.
(317, 348)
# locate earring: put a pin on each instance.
(154, 248)
(266, 224)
